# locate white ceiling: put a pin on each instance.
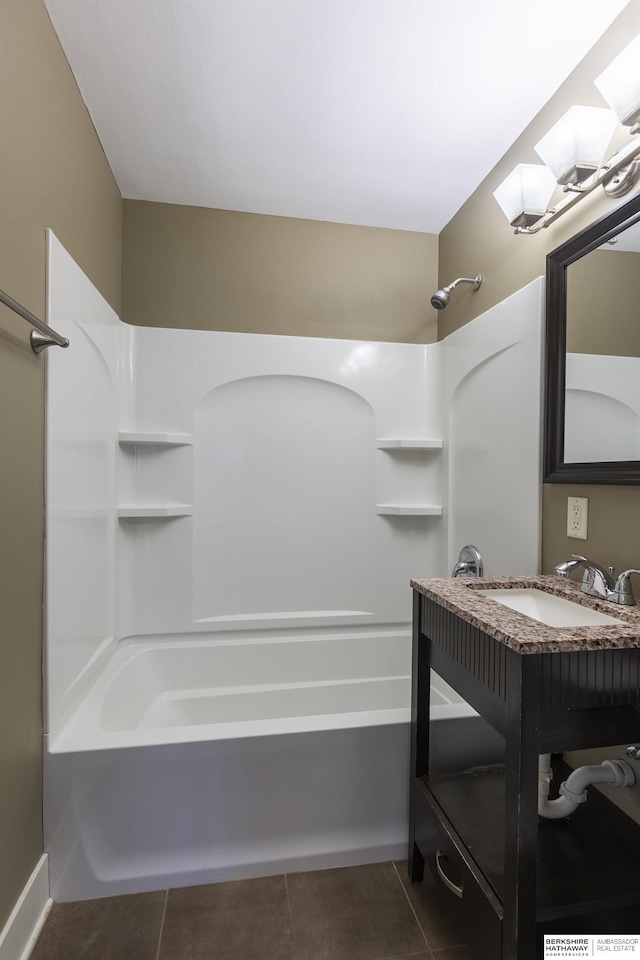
(377, 112)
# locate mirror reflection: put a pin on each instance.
(602, 387)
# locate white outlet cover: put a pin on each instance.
(577, 515)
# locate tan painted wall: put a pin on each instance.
(222, 270)
(53, 173)
(603, 297)
(479, 238)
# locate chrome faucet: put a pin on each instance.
(624, 590)
(564, 569)
(469, 563)
(598, 582)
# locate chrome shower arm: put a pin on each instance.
(476, 281)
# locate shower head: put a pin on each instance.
(441, 297)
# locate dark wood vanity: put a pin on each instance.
(544, 690)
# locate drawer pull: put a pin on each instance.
(445, 879)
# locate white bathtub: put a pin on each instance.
(195, 760)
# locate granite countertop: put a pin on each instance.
(524, 634)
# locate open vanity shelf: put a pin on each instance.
(516, 875)
(586, 859)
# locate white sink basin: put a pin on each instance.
(549, 609)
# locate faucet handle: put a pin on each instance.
(623, 591)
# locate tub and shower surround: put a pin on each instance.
(252, 506)
(233, 521)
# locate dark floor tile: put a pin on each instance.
(352, 913)
(437, 910)
(240, 920)
(452, 953)
(414, 956)
(113, 928)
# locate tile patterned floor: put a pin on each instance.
(370, 912)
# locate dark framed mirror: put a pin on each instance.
(592, 390)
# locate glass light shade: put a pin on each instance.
(575, 146)
(619, 84)
(524, 196)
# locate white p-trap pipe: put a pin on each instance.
(573, 791)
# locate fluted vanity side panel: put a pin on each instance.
(591, 678)
(482, 656)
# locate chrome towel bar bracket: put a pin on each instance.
(43, 336)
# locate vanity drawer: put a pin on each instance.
(455, 871)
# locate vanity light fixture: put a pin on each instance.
(575, 152)
(524, 196)
(619, 84)
(574, 147)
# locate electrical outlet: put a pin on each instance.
(577, 511)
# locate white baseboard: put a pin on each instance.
(23, 927)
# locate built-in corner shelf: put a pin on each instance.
(154, 478)
(408, 510)
(155, 511)
(400, 444)
(156, 439)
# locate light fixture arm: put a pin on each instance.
(627, 157)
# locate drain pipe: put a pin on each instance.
(573, 792)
